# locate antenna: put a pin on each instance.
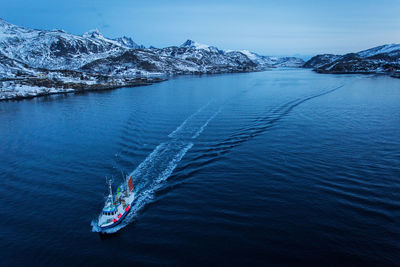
(123, 176)
(110, 181)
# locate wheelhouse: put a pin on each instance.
(109, 211)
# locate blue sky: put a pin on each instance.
(285, 27)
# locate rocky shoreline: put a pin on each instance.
(30, 87)
(391, 74)
(35, 87)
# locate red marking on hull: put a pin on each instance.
(130, 184)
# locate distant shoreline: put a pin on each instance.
(32, 87)
(393, 75)
(65, 88)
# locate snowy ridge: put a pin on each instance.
(383, 49)
(57, 60)
(195, 45)
(383, 59)
(55, 49)
(129, 43)
(268, 61)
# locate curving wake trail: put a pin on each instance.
(258, 126)
(149, 176)
(161, 162)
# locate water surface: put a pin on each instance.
(277, 167)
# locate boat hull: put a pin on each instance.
(115, 223)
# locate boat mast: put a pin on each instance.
(110, 196)
(109, 185)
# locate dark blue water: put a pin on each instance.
(275, 168)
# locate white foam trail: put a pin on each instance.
(180, 127)
(161, 162)
(158, 160)
(173, 163)
(95, 227)
(144, 196)
(206, 123)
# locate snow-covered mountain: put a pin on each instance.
(391, 50)
(198, 46)
(12, 68)
(124, 41)
(192, 44)
(59, 50)
(289, 62)
(262, 61)
(320, 60)
(381, 59)
(172, 60)
(61, 60)
(268, 61)
(129, 43)
(54, 49)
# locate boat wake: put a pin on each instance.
(158, 166)
(258, 126)
(149, 176)
(261, 124)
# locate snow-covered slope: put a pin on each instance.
(267, 61)
(33, 60)
(171, 60)
(198, 46)
(192, 44)
(381, 59)
(10, 68)
(210, 59)
(289, 62)
(129, 43)
(261, 60)
(54, 49)
(389, 49)
(58, 50)
(320, 60)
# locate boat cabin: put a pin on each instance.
(110, 210)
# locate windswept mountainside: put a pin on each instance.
(54, 49)
(320, 60)
(11, 68)
(383, 59)
(185, 59)
(57, 61)
(128, 42)
(273, 62)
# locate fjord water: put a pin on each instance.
(277, 167)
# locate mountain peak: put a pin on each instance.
(4, 23)
(192, 44)
(188, 43)
(125, 40)
(95, 33)
(128, 42)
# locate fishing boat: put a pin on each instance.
(117, 206)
